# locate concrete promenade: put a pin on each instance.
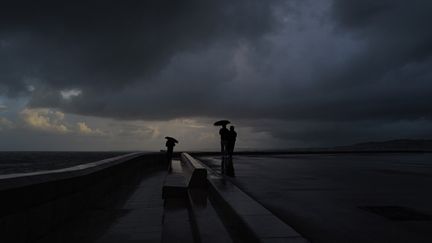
(341, 198)
(134, 198)
(288, 198)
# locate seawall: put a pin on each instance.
(34, 204)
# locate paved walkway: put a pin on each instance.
(133, 214)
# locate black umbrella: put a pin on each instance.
(222, 123)
(172, 139)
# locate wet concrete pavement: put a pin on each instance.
(133, 213)
(343, 197)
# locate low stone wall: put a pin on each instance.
(33, 204)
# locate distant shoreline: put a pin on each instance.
(198, 153)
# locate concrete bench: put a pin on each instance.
(196, 174)
(186, 173)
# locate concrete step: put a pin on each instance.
(176, 223)
(207, 224)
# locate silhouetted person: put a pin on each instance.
(224, 135)
(170, 143)
(170, 148)
(232, 136)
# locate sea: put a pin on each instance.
(24, 162)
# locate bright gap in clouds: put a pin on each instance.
(50, 129)
(70, 93)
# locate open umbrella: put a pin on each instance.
(222, 123)
(172, 139)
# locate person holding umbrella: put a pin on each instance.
(170, 143)
(224, 135)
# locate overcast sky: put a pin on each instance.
(122, 75)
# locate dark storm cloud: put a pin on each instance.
(398, 33)
(106, 45)
(356, 68)
(380, 92)
(390, 78)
